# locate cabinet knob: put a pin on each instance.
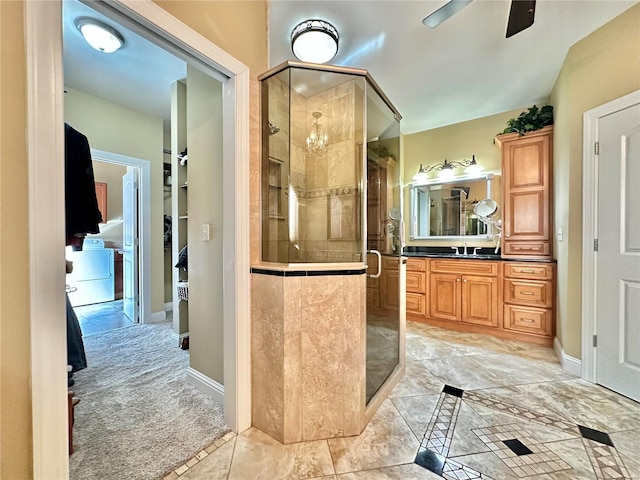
(457, 279)
(465, 281)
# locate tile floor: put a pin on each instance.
(101, 317)
(470, 407)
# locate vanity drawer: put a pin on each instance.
(532, 271)
(470, 267)
(416, 303)
(416, 282)
(390, 263)
(528, 319)
(525, 249)
(523, 292)
(417, 264)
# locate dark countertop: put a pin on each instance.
(484, 253)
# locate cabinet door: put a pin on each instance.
(480, 300)
(389, 290)
(526, 167)
(445, 296)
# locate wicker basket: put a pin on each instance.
(183, 291)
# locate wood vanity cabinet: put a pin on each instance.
(508, 299)
(529, 294)
(416, 279)
(389, 295)
(464, 291)
(526, 195)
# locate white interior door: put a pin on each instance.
(130, 243)
(618, 257)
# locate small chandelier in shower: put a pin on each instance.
(317, 139)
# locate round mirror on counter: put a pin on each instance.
(395, 214)
(485, 208)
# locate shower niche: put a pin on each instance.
(325, 354)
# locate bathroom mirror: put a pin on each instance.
(445, 209)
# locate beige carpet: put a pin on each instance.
(138, 417)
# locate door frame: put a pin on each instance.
(144, 223)
(590, 198)
(45, 143)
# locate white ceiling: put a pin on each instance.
(138, 76)
(463, 69)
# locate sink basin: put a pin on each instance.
(480, 256)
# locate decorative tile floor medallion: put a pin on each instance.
(604, 457)
(520, 451)
(456, 471)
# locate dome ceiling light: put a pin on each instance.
(99, 35)
(314, 41)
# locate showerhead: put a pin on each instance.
(273, 129)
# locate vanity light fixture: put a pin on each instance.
(317, 139)
(314, 41)
(445, 169)
(99, 35)
(473, 166)
(422, 174)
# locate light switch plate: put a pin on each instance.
(560, 234)
(206, 232)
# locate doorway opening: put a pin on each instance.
(46, 163)
(97, 287)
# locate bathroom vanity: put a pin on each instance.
(511, 294)
(481, 294)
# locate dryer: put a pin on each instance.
(93, 276)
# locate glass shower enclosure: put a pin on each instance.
(331, 190)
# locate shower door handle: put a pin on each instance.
(377, 253)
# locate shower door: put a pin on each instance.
(383, 239)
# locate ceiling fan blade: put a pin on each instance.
(521, 16)
(447, 10)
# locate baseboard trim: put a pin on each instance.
(206, 385)
(179, 336)
(569, 364)
(158, 317)
(168, 307)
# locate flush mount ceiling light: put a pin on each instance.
(445, 169)
(99, 35)
(314, 41)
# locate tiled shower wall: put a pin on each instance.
(325, 226)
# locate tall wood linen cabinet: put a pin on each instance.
(527, 200)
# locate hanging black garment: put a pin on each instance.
(82, 214)
(75, 346)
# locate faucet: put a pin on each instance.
(475, 250)
(465, 248)
(455, 249)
